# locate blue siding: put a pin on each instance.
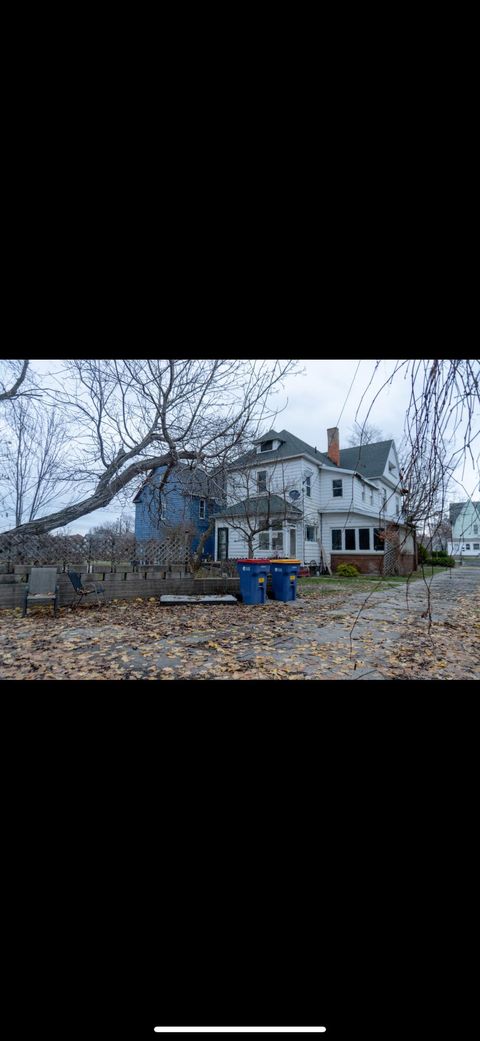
(181, 507)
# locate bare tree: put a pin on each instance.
(12, 376)
(444, 404)
(365, 435)
(131, 416)
(123, 525)
(254, 508)
(444, 407)
(33, 461)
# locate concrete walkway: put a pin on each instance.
(441, 606)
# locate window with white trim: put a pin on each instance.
(337, 489)
(363, 493)
(264, 540)
(308, 487)
(350, 538)
(475, 529)
(201, 509)
(277, 540)
(476, 545)
(310, 533)
(262, 481)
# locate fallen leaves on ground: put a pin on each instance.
(313, 638)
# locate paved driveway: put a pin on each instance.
(416, 630)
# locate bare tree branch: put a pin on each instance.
(7, 395)
(129, 416)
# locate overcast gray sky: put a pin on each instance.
(317, 399)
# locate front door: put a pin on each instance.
(222, 544)
(293, 542)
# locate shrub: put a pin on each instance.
(347, 570)
(422, 553)
(437, 561)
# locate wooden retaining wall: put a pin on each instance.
(121, 585)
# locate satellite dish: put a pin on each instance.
(294, 495)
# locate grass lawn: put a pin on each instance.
(332, 583)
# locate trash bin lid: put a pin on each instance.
(286, 560)
(253, 560)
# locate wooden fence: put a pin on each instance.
(94, 552)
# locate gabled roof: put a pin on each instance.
(193, 482)
(457, 507)
(368, 460)
(259, 506)
(271, 435)
(290, 445)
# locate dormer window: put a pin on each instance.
(266, 446)
(392, 468)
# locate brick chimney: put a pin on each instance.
(333, 450)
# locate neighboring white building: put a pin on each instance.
(319, 507)
(465, 521)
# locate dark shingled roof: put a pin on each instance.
(258, 507)
(291, 445)
(457, 507)
(368, 460)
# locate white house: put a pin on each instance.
(465, 521)
(322, 507)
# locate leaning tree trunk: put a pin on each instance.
(196, 558)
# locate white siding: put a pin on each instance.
(393, 499)
(321, 508)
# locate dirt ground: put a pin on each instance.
(331, 631)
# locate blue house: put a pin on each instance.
(187, 500)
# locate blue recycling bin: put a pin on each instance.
(253, 580)
(284, 579)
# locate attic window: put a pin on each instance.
(391, 467)
(266, 446)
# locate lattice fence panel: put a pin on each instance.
(102, 551)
